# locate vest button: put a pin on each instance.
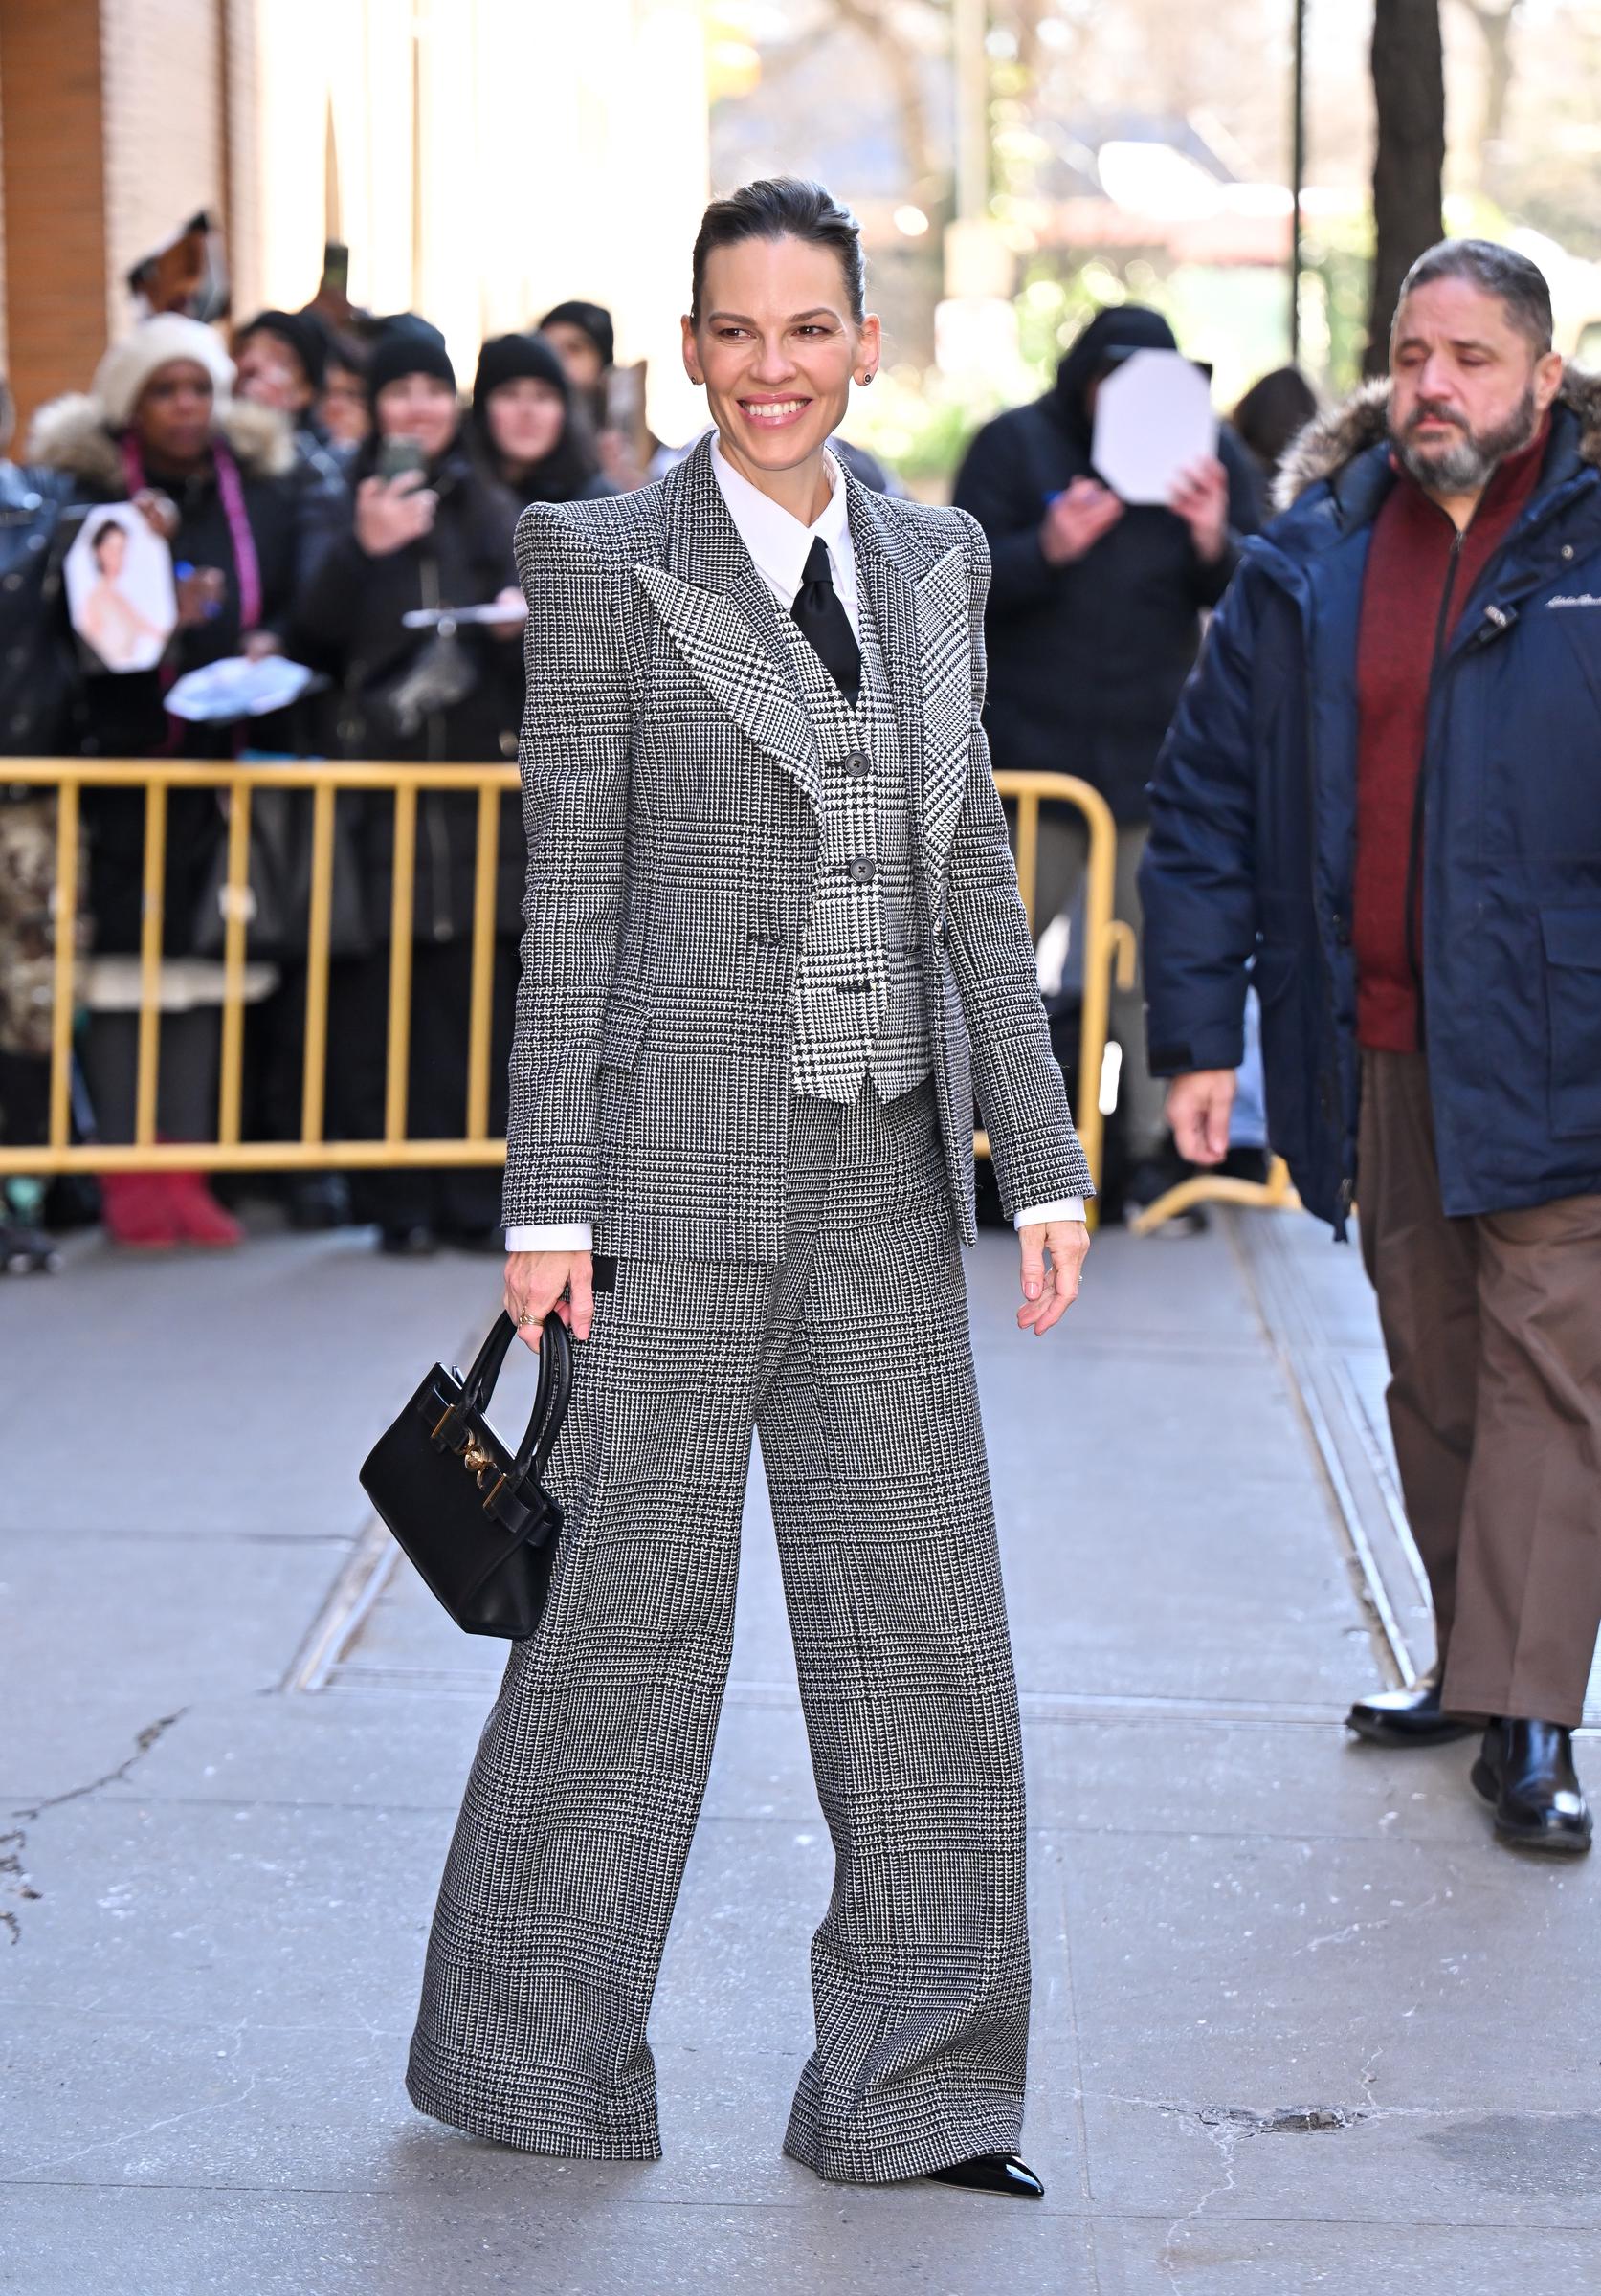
(863, 873)
(857, 763)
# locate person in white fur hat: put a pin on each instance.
(247, 521)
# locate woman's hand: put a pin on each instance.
(393, 512)
(159, 511)
(515, 618)
(1049, 1292)
(535, 1282)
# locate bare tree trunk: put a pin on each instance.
(1408, 86)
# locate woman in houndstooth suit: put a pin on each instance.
(772, 939)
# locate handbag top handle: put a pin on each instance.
(551, 1397)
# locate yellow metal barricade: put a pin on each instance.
(1108, 943)
(1108, 940)
(400, 786)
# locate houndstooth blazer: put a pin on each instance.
(670, 790)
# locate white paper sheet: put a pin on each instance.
(1153, 417)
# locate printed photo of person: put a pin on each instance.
(120, 589)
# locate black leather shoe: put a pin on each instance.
(1409, 1717)
(1526, 1772)
(994, 2173)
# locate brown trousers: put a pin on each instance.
(1493, 1329)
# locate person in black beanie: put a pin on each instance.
(288, 352)
(435, 534)
(524, 428)
(283, 362)
(584, 340)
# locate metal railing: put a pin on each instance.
(321, 782)
(1108, 943)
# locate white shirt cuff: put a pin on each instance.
(1070, 1208)
(577, 1235)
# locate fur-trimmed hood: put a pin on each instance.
(72, 435)
(1330, 441)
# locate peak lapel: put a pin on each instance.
(724, 622)
(921, 612)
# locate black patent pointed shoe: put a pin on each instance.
(1000, 2172)
(1409, 1717)
(1526, 1773)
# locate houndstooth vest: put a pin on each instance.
(859, 998)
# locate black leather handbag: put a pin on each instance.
(474, 1520)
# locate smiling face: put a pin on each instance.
(419, 407)
(777, 347)
(526, 418)
(1467, 388)
(269, 374)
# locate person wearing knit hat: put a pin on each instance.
(578, 328)
(167, 339)
(282, 361)
(430, 527)
(282, 357)
(246, 521)
(411, 391)
(525, 428)
(586, 343)
(407, 345)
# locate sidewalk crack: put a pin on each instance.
(15, 1882)
(141, 1745)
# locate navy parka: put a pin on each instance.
(1253, 838)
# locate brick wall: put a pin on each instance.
(54, 195)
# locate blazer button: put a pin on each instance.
(857, 763)
(863, 873)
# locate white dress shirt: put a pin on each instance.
(779, 547)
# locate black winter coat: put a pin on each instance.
(1086, 661)
(348, 621)
(294, 511)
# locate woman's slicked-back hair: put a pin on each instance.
(783, 207)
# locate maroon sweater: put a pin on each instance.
(1420, 574)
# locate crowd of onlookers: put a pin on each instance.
(314, 489)
(323, 491)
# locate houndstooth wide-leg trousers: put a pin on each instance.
(853, 1359)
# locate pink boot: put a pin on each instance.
(199, 1217)
(139, 1211)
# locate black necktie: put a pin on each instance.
(823, 622)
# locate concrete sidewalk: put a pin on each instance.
(1299, 2024)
